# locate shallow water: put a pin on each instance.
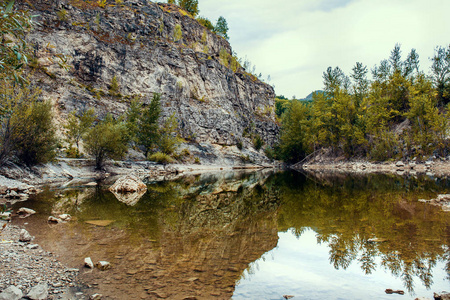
(255, 236)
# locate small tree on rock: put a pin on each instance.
(221, 27)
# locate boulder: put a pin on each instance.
(128, 184)
(11, 293)
(88, 263)
(25, 236)
(26, 211)
(96, 297)
(38, 292)
(128, 189)
(103, 265)
(65, 217)
(52, 219)
(399, 164)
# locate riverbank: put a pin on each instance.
(436, 168)
(27, 269)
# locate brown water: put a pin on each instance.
(255, 236)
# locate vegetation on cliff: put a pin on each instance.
(400, 113)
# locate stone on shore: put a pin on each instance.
(88, 263)
(26, 211)
(38, 292)
(25, 236)
(52, 219)
(11, 293)
(103, 265)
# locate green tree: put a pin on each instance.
(133, 116)
(34, 134)
(78, 125)
(221, 27)
(206, 23)
(440, 72)
(27, 133)
(169, 139)
(191, 6)
(148, 134)
(108, 139)
(14, 50)
(295, 132)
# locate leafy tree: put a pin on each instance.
(148, 134)
(26, 128)
(221, 27)
(108, 139)
(361, 83)
(78, 125)
(14, 51)
(295, 132)
(191, 6)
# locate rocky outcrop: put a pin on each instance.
(214, 104)
(128, 189)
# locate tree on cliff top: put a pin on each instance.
(221, 27)
(191, 6)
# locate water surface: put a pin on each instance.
(256, 236)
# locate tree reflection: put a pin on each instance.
(364, 218)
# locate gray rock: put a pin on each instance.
(25, 236)
(103, 265)
(88, 263)
(399, 164)
(25, 211)
(11, 293)
(38, 292)
(52, 219)
(96, 297)
(214, 104)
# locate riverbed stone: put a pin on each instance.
(103, 265)
(11, 293)
(25, 236)
(88, 263)
(26, 211)
(38, 292)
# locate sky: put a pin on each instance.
(295, 41)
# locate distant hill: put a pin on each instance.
(310, 96)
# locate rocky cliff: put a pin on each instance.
(81, 45)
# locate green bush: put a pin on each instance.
(161, 158)
(239, 145)
(258, 142)
(108, 139)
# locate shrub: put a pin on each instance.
(26, 127)
(206, 23)
(161, 158)
(258, 142)
(191, 6)
(239, 145)
(177, 34)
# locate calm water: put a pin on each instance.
(255, 236)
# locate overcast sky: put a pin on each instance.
(294, 41)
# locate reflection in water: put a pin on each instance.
(200, 235)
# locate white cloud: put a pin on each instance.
(296, 40)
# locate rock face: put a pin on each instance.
(215, 103)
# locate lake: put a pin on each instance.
(257, 235)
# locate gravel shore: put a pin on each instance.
(24, 265)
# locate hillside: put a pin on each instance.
(81, 46)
